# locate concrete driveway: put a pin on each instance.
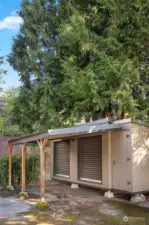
(11, 206)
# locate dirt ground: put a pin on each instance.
(68, 206)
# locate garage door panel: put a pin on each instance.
(90, 159)
(62, 158)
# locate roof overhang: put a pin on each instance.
(70, 132)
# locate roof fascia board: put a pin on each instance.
(108, 127)
(80, 129)
(85, 129)
(101, 121)
(123, 121)
(29, 139)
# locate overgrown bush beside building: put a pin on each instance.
(32, 170)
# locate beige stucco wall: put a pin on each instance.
(122, 160)
(140, 153)
(105, 175)
(73, 160)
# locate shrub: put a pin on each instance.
(32, 170)
(42, 205)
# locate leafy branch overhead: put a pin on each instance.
(81, 59)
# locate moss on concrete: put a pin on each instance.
(35, 215)
(135, 214)
(39, 216)
(42, 205)
(68, 217)
(23, 195)
(131, 214)
(130, 209)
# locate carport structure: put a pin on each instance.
(78, 131)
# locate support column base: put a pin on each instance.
(10, 188)
(74, 186)
(109, 194)
(23, 195)
(137, 198)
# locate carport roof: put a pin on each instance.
(75, 131)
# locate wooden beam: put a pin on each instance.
(10, 165)
(23, 148)
(45, 143)
(42, 145)
(30, 138)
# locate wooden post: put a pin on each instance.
(23, 147)
(42, 145)
(42, 173)
(10, 165)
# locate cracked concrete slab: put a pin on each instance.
(10, 206)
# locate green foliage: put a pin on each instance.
(7, 127)
(32, 170)
(105, 77)
(34, 57)
(42, 205)
(81, 59)
(2, 124)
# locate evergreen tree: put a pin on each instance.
(81, 59)
(110, 44)
(35, 55)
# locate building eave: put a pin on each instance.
(63, 133)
